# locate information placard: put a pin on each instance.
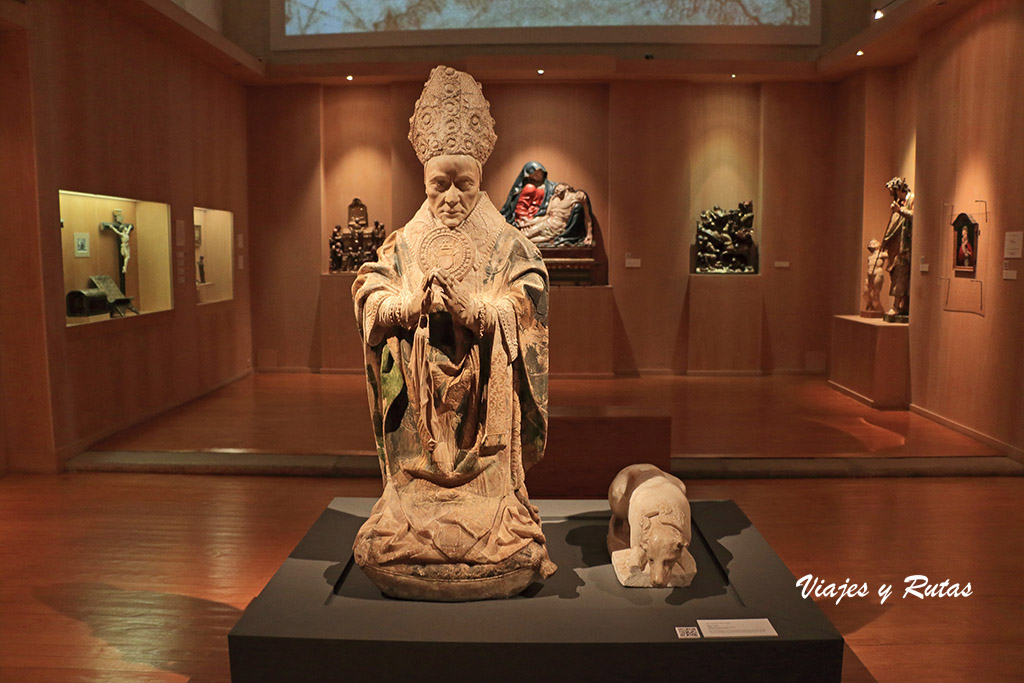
(737, 628)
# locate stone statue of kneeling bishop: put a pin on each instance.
(649, 530)
(453, 316)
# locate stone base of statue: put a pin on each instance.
(896, 318)
(451, 545)
(321, 619)
(463, 582)
(872, 314)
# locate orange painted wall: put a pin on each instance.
(406, 170)
(798, 127)
(143, 121)
(970, 123)
(286, 193)
(848, 197)
(26, 432)
(649, 219)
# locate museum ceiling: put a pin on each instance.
(290, 41)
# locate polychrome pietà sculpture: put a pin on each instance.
(649, 530)
(551, 214)
(552, 225)
(453, 317)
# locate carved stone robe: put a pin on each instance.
(458, 419)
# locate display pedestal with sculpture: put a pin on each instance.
(725, 324)
(870, 360)
(320, 618)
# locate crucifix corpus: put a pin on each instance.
(122, 230)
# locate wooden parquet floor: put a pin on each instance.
(751, 417)
(139, 577)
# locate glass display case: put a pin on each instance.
(117, 256)
(214, 235)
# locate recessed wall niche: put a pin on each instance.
(213, 230)
(117, 256)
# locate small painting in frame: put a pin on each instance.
(198, 233)
(81, 245)
(965, 244)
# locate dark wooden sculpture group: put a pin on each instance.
(725, 240)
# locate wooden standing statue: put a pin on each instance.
(897, 243)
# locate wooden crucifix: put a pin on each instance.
(122, 230)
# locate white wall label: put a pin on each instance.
(1013, 244)
(782, 264)
(737, 628)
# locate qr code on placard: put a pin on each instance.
(687, 632)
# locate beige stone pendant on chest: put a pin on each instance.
(448, 249)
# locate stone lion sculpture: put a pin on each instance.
(649, 531)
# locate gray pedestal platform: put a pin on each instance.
(320, 619)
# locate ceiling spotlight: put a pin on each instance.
(879, 13)
(734, 76)
(540, 72)
(860, 53)
(348, 78)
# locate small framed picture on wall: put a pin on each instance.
(965, 244)
(81, 245)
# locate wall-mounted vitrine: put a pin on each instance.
(117, 256)
(214, 235)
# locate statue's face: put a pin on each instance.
(664, 546)
(453, 187)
